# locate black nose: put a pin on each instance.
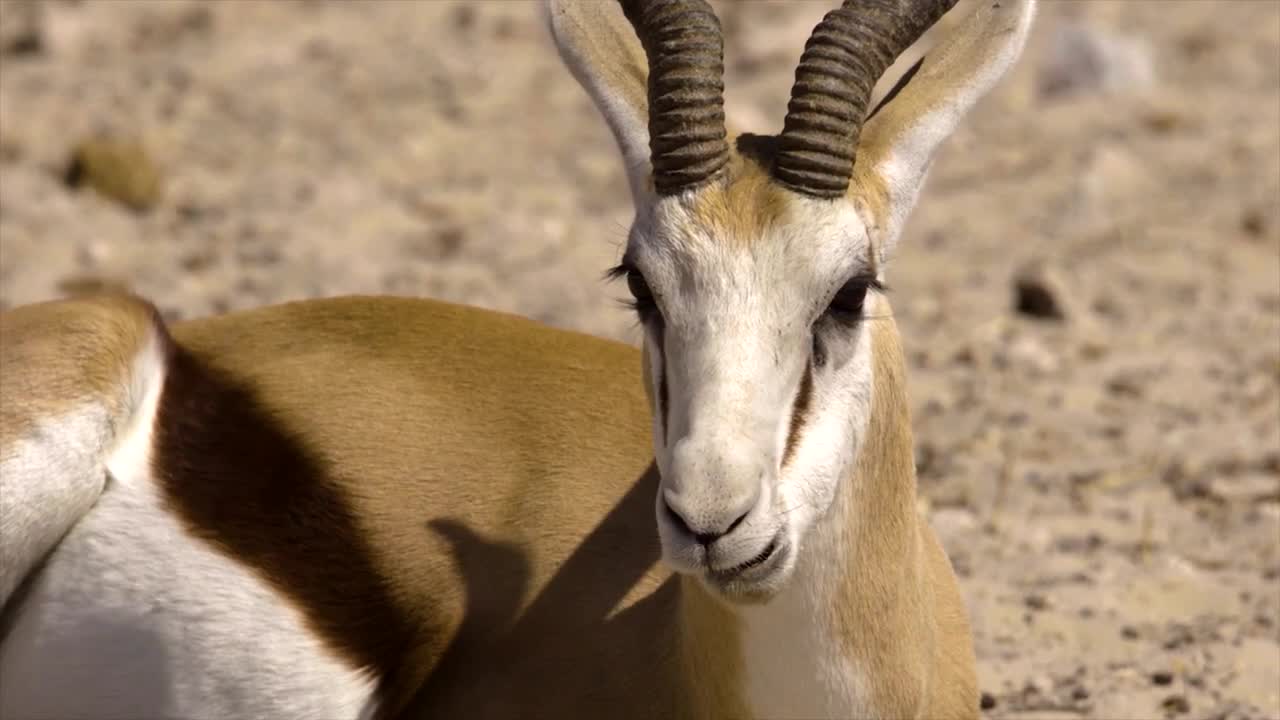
(704, 536)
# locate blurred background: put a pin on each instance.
(1089, 291)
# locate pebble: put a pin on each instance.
(118, 169)
(1037, 292)
(1176, 704)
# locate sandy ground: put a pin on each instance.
(1107, 483)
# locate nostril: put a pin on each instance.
(677, 519)
(703, 538)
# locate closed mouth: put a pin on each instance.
(759, 559)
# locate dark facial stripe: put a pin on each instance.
(251, 488)
(664, 404)
(799, 413)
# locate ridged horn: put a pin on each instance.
(682, 41)
(844, 57)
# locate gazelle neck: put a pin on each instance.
(817, 649)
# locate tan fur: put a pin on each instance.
(900, 614)
(491, 500)
(67, 389)
(558, 537)
(471, 495)
(743, 205)
(58, 355)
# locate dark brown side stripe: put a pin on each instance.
(799, 413)
(252, 489)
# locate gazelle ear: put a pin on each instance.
(899, 141)
(603, 52)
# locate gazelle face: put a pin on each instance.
(753, 266)
(754, 303)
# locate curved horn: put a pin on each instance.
(847, 53)
(682, 41)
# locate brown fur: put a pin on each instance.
(467, 511)
(744, 203)
(799, 414)
(58, 355)
(900, 615)
(463, 501)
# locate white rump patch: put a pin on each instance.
(133, 617)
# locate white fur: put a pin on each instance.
(738, 318)
(131, 617)
(48, 480)
(794, 666)
(53, 474)
(795, 670)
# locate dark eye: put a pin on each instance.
(644, 303)
(848, 301)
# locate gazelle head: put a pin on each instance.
(756, 262)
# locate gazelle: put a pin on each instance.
(380, 507)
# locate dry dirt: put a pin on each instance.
(1107, 482)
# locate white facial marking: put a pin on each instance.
(734, 340)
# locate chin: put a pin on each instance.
(755, 585)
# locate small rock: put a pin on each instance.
(1124, 386)
(21, 29)
(1032, 354)
(118, 169)
(464, 17)
(1253, 223)
(1163, 121)
(1129, 632)
(1176, 704)
(82, 285)
(27, 43)
(987, 702)
(1037, 293)
(1178, 635)
(1161, 677)
(1198, 43)
(1248, 488)
(10, 151)
(1036, 602)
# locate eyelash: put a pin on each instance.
(847, 303)
(642, 300)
